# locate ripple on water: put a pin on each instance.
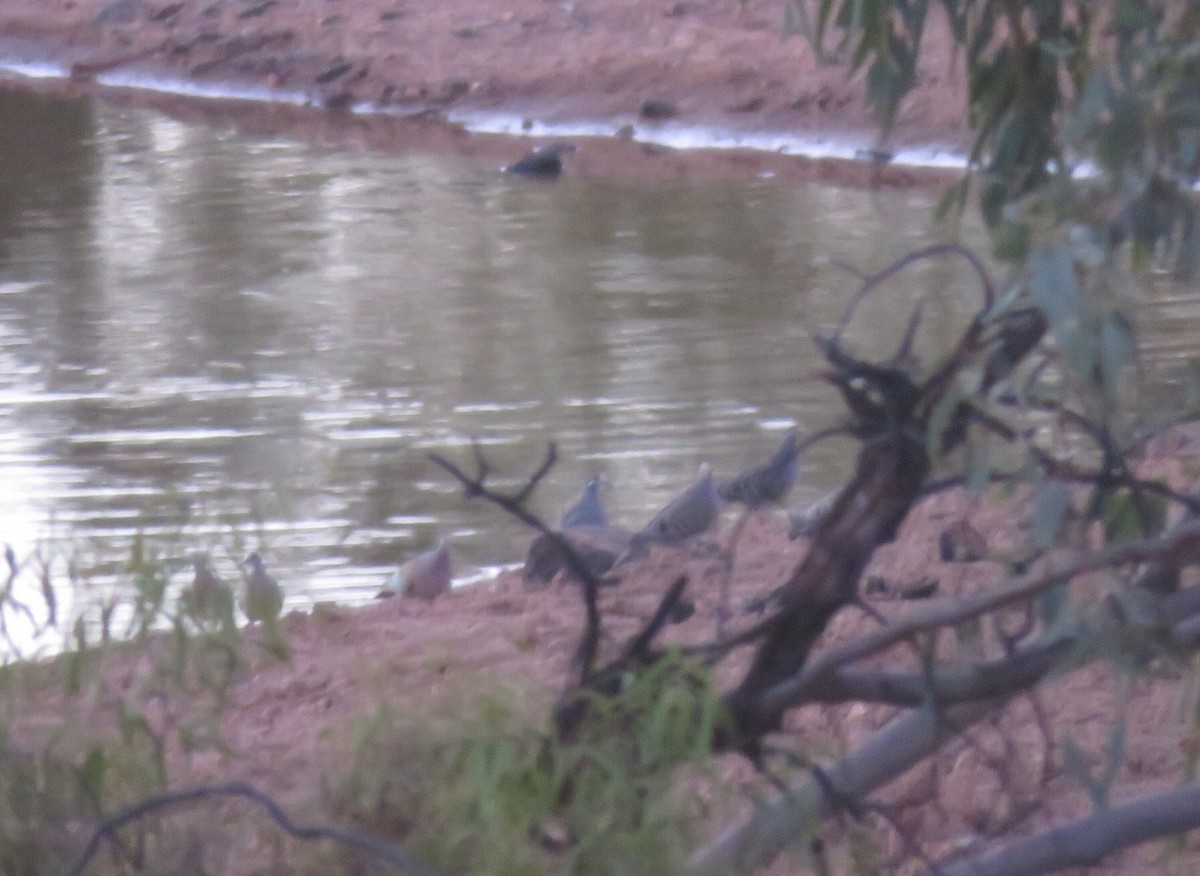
(234, 343)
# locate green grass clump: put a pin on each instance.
(499, 793)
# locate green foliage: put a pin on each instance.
(1086, 129)
(1054, 86)
(1098, 783)
(82, 733)
(38, 794)
(1129, 516)
(498, 796)
(1053, 503)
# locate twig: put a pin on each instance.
(1183, 541)
(9, 599)
(906, 837)
(726, 581)
(714, 652)
(904, 351)
(1042, 721)
(937, 249)
(475, 487)
(637, 648)
(1158, 431)
(959, 684)
(389, 853)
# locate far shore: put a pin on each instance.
(451, 78)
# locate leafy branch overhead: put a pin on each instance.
(1055, 90)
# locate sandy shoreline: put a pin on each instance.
(449, 77)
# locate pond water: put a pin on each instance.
(227, 342)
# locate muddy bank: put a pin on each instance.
(290, 727)
(708, 65)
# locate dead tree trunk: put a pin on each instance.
(890, 472)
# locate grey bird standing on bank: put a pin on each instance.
(425, 576)
(692, 512)
(263, 598)
(208, 597)
(545, 162)
(769, 482)
(588, 511)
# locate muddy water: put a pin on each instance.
(231, 343)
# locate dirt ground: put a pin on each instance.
(720, 63)
(291, 727)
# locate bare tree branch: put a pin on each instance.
(938, 249)
(946, 687)
(1183, 541)
(475, 487)
(638, 647)
(883, 757)
(909, 739)
(1087, 841)
(388, 853)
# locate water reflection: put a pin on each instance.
(230, 342)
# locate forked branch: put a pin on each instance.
(515, 504)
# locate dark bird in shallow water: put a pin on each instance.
(588, 511)
(545, 162)
(770, 482)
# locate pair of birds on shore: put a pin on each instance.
(209, 598)
(425, 576)
(697, 508)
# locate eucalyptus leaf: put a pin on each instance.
(1114, 752)
(1187, 259)
(1010, 240)
(1052, 502)
(91, 773)
(795, 21)
(1094, 103)
(1118, 349)
(1128, 517)
(939, 420)
(1076, 767)
(979, 465)
(1051, 605)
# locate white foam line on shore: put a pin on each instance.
(670, 134)
(162, 84)
(204, 90)
(679, 136)
(34, 69)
